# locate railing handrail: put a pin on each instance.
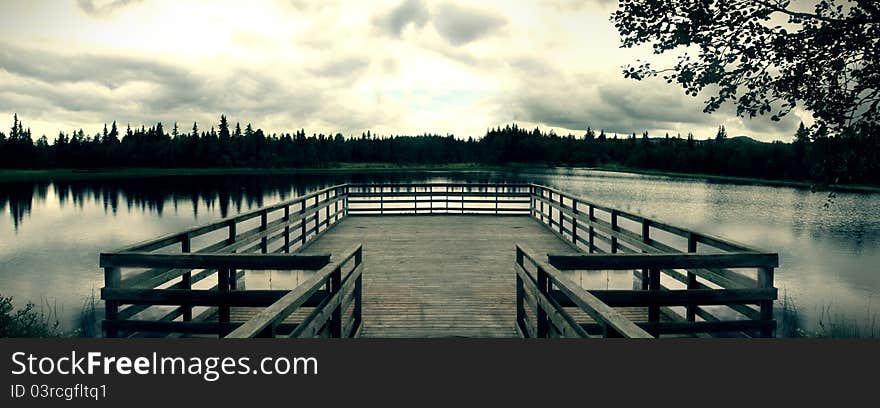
(443, 184)
(213, 260)
(701, 236)
(221, 223)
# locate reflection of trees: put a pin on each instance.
(229, 194)
(19, 197)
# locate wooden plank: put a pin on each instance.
(174, 297)
(620, 298)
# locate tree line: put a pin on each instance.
(813, 154)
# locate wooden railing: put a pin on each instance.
(178, 270)
(438, 198)
(337, 309)
(600, 229)
(539, 312)
(140, 277)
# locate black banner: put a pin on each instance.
(429, 372)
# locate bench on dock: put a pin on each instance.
(437, 260)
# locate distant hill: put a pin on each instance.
(744, 139)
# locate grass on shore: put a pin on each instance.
(830, 324)
(33, 322)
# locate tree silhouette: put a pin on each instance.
(825, 58)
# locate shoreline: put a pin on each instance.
(28, 175)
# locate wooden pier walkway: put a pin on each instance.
(438, 276)
(437, 260)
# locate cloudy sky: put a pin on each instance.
(394, 67)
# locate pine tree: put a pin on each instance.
(722, 134)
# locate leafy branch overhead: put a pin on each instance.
(765, 56)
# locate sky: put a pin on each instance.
(398, 67)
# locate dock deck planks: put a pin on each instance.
(438, 276)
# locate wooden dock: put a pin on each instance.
(437, 260)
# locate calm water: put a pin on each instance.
(51, 233)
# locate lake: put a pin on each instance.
(51, 232)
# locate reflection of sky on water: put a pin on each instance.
(51, 233)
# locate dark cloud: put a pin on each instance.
(395, 20)
(130, 88)
(103, 7)
(611, 104)
(109, 71)
(346, 66)
(460, 25)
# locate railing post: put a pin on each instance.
(345, 192)
(336, 205)
(302, 222)
(317, 215)
(542, 203)
(574, 223)
(430, 199)
(287, 228)
(765, 280)
(381, 201)
(532, 189)
(561, 216)
(327, 210)
(646, 238)
(614, 228)
(264, 242)
(691, 278)
(357, 312)
(223, 310)
(542, 320)
(592, 230)
(654, 285)
(186, 278)
(336, 315)
(112, 279)
(230, 238)
(520, 297)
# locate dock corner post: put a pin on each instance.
(765, 280)
(692, 283)
(186, 278)
(112, 279)
(541, 318)
(532, 201)
(335, 322)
